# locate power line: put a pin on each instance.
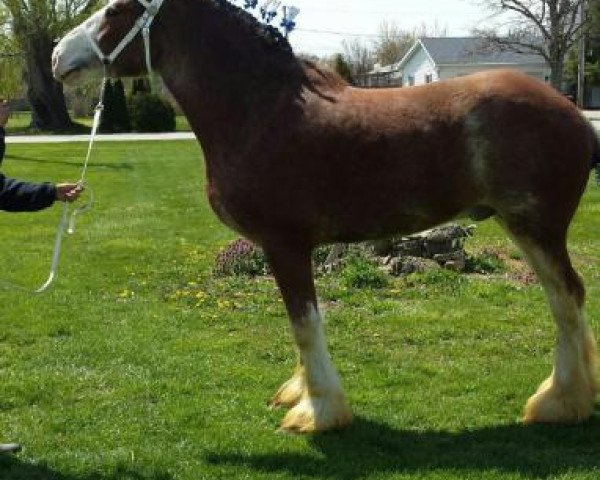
(343, 34)
(397, 13)
(360, 12)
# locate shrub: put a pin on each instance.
(121, 121)
(320, 254)
(140, 85)
(241, 258)
(361, 272)
(151, 113)
(106, 121)
(486, 262)
(115, 117)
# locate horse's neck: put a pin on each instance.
(223, 83)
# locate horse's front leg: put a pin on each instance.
(314, 393)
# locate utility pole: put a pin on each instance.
(581, 69)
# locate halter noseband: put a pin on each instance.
(142, 24)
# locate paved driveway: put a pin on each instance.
(594, 117)
(116, 137)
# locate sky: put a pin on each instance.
(322, 25)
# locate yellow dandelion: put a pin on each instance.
(223, 304)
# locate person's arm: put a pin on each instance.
(15, 195)
(19, 196)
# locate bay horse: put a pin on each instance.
(296, 158)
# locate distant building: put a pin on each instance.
(379, 77)
(433, 59)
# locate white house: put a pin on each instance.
(432, 59)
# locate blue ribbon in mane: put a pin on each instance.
(269, 10)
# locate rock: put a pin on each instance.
(455, 266)
(383, 247)
(456, 260)
(336, 252)
(445, 239)
(405, 265)
(410, 247)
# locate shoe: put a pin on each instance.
(9, 448)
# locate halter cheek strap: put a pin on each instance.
(142, 24)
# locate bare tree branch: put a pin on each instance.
(518, 7)
(546, 27)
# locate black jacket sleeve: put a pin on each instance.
(18, 196)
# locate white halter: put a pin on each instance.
(142, 24)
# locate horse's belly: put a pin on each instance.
(364, 223)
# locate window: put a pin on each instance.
(411, 80)
(428, 78)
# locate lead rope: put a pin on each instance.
(65, 223)
(143, 23)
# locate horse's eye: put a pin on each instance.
(111, 12)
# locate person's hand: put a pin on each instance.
(68, 192)
(4, 112)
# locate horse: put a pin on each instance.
(296, 158)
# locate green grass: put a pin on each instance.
(138, 364)
(182, 124)
(18, 121)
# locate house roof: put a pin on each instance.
(468, 50)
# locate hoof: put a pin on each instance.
(290, 393)
(551, 404)
(317, 414)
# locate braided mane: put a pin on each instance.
(272, 37)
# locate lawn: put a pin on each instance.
(139, 364)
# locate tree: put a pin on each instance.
(11, 61)
(122, 122)
(392, 43)
(35, 24)
(549, 28)
(108, 111)
(340, 65)
(592, 52)
(115, 115)
(358, 55)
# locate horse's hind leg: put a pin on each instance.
(314, 393)
(568, 394)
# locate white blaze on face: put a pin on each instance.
(74, 54)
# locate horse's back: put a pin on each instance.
(504, 126)
(422, 155)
